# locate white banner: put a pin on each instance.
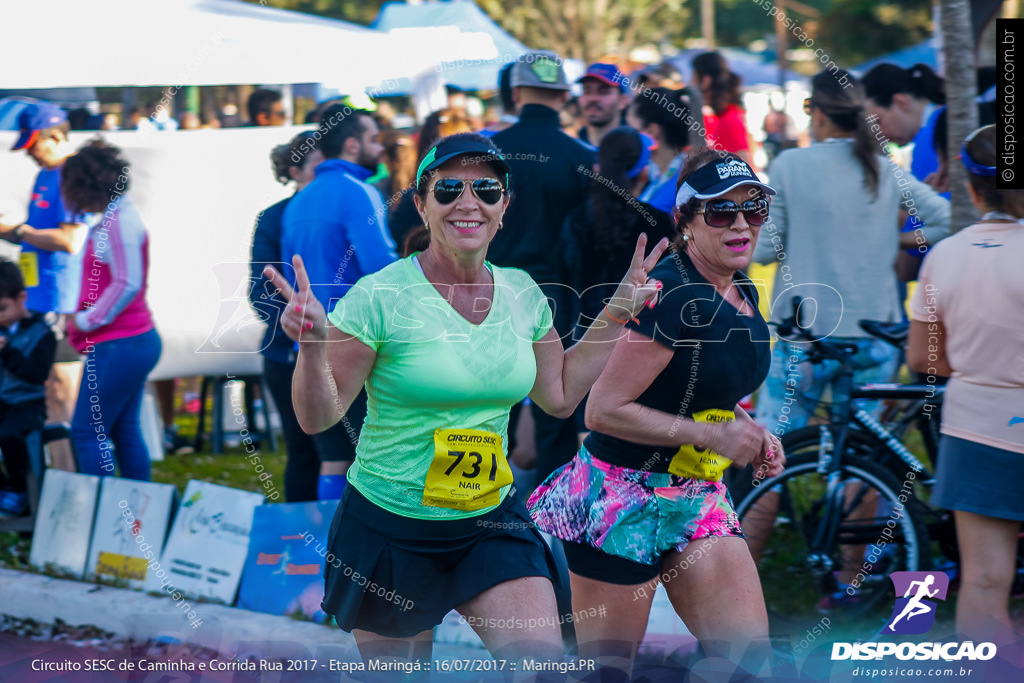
(199, 192)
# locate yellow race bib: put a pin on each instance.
(468, 470)
(28, 262)
(699, 463)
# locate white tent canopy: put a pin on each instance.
(201, 42)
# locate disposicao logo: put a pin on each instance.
(917, 594)
(1015, 420)
(914, 613)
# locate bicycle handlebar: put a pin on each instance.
(793, 329)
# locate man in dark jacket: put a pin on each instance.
(550, 178)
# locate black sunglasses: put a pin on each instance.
(487, 190)
(722, 213)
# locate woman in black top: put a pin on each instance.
(643, 498)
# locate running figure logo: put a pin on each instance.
(914, 613)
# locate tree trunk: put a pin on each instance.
(707, 23)
(961, 92)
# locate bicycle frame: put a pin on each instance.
(864, 419)
(843, 414)
(926, 395)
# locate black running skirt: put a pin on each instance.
(398, 576)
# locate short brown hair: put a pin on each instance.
(94, 176)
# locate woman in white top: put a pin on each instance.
(834, 233)
(969, 325)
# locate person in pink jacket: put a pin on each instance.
(113, 325)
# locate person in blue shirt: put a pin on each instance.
(52, 249)
(338, 225)
(51, 240)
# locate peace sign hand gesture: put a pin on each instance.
(637, 290)
(304, 318)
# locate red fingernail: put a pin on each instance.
(309, 326)
(299, 309)
(658, 286)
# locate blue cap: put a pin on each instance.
(35, 118)
(715, 179)
(606, 73)
(647, 145)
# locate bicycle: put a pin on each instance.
(846, 504)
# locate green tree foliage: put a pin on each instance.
(740, 22)
(858, 30)
(851, 31)
(591, 29)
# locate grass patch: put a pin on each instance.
(14, 550)
(232, 469)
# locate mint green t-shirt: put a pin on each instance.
(435, 370)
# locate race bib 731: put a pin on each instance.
(468, 470)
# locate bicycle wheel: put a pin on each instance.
(802, 552)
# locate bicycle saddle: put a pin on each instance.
(892, 333)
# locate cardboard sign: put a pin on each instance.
(132, 517)
(284, 573)
(206, 549)
(64, 522)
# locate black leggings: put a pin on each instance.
(598, 565)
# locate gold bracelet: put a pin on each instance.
(616, 320)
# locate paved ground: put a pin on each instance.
(134, 637)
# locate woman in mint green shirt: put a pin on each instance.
(445, 343)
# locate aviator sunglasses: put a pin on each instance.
(487, 190)
(722, 213)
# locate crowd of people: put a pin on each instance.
(426, 292)
(623, 487)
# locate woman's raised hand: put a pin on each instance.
(304, 319)
(636, 289)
